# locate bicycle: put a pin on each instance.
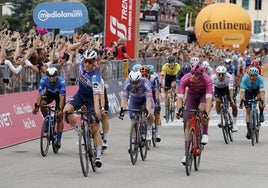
(87, 152)
(170, 104)
(194, 147)
(226, 120)
(255, 124)
(138, 133)
(48, 132)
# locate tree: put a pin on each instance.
(182, 16)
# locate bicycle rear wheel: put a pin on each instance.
(154, 129)
(143, 143)
(83, 153)
(197, 156)
(189, 153)
(133, 144)
(44, 138)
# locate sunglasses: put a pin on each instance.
(52, 78)
(91, 61)
(221, 74)
(135, 82)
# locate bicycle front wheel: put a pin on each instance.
(189, 153)
(167, 109)
(172, 110)
(143, 143)
(44, 138)
(252, 126)
(92, 153)
(133, 144)
(154, 129)
(53, 132)
(230, 126)
(197, 156)
(83, 153)
(225, 128)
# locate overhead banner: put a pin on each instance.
(122, 21)
(60, 15)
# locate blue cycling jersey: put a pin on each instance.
(58, 88)
(246, 84)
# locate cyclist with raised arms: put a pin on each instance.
(199, 96)
(138, 91)
(252, 85)
(223, 84)
(89, 91)
(52, 88)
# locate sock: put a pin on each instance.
(105, 135)
(59, 134)
(98, 150)
(205, 129)
(235, 119)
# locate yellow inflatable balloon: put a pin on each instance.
(226, 25)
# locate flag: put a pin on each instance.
(164, 33)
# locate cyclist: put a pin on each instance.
(194, 60)
(169, 72)
(223, 85)
(255, 63)
(52, 88)
(199, 95)
(153, 77)
(252, 85)
(89, 91)
(229, 66)
(208, 68)
(185, 68)
(139, 92)
(136, 67)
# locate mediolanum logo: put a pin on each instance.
(209, 26)
(117, 28)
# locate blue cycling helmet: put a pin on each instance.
(248, 61)
(151, 68)
(253, 71)
(186, 67)
(136, 67)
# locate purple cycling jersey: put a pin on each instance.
(204, 85)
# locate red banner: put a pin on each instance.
(121, 22)
(17, 123)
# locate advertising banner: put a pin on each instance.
(121, 21)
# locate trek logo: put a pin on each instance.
(117, 28)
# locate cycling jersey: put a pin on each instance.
(58, 88)
(247, 85)
(227, 82)
(199, 88)
(230, 69)
(166, 70)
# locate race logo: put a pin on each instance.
(117, 28)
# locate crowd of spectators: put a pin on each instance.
(30, 53)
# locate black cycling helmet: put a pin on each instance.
(171, 59)
(186, 67)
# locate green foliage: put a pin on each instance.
(182, 16)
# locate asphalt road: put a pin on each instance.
(238, 164)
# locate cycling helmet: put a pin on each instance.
(171, 59)
(151, 68)
(253, 71)
(197, 67)
(134, 76)
(186, 67)
(144, 70)
(52, 72)
(90, 55)
(228, 61)
(205, 64)
(194, 59)
(136, 67)
(240, 59)
(235, 57)
(221, 69)
(254, 63)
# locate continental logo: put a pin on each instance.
(209, 26)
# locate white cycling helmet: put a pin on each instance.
(205, 64)
(221, 69)
(194, 60)
(134, 76)
(90, 54)
(253, 71)
(52, 72)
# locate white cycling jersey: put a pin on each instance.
(227, 82)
